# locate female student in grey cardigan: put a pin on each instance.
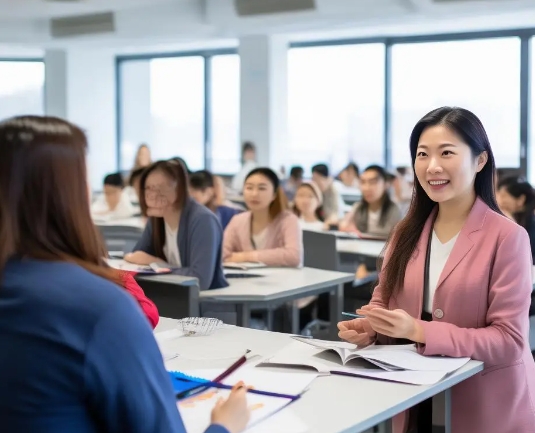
(181, 232)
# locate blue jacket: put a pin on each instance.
(225, 214)
(78, 356)
(200, 240)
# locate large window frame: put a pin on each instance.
(207, 55)
(525, 36)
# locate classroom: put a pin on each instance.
(267, 216)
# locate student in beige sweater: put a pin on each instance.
(268, 232)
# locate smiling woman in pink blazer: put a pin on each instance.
(456, 280)
(268, 232)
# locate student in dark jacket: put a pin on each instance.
(202, 189)
(76, 352)
(180, 232)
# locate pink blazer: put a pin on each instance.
(480, 310)
(284, 244)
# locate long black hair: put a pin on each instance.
(518, 187)
(404, 239)
(386, 200)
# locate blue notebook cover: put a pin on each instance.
(182, 382)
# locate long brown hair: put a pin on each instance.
(280, 203)
(44, 199)
(404, 239)
(137, 164)
(176, 171)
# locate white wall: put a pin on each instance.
(81, 87)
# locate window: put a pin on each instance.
(162, 104)
(336, 105)
(480, 75)
(225, 113)
(21, 88)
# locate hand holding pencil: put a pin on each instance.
(233, 413)
(357, 331)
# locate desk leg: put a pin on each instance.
(336, 303)
(244, 315)
(269, 314)
(447, 410)
(295, 319)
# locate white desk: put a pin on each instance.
(333, 404)
(361, 247)
(277, 286)
(127, 222)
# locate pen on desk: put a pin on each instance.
(355, 316)
(252, 391)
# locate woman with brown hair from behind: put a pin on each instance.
(60, 306)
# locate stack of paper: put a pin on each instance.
(393, 363)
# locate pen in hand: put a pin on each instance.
(353, 315)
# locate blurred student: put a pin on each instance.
(203, 189)
(267, 232)
(134, 187)
(516, 198)
(349, 176)
(308, 206)
(376, 214)
(180, 232)
(248, 160)
(291, 184)
(115, 203)
(402, 186)
(333, 205)
(143, 157)
(74, 345)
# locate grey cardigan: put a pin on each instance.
(200, 239)
(393, 216)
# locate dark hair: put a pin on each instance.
(354, 167)
(402, 170)
(297, 172)
(176, 171)
(321, 169)
(44, 202)
(136, 174)
(181, 161)
(114, 179)
(518, 187)
(319, 210)
(201, 180)
(247, 146)
(387, 202)
(280, 203)
(404, 239)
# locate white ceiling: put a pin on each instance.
(147, 22)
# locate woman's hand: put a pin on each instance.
(141, 258)
(233, 413)
(394, 323)
(239, 257)
(357, 331)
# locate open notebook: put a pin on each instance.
(394, 363)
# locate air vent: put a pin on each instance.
(259, 7)
(82, 25)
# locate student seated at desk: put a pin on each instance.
(333, 204)
(376, 214)
(456, 280)
(268, 232)
(76, 353)
(115, 203)
(203, 189)
(308, 206)
(516, 199)
(134, 189)
(181, 232)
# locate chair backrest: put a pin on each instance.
(121, 238)
(320, 250)
(173, 300)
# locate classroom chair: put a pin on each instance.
(120, 238)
